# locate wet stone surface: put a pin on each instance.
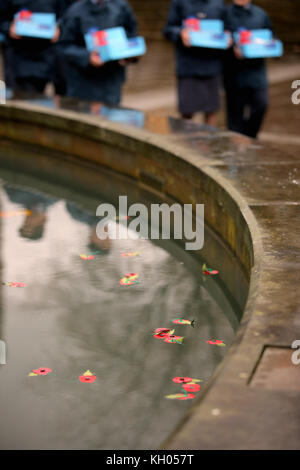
(276, 183)
(276, 371)
(281, 233)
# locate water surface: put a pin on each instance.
(73, 315)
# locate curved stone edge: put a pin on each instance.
(175, 167)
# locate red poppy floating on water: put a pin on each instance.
(217, 342)
(129, 279)
(173, 339)
(188, 396)
(181, 396)
(161, 333)
(191, 387)
(209, 271)
(14, 284)
(87, 257)
(182, 380)
(42, 371)
(130, 254)
(87, 377)
(182, 321)
(162, 330)
(167, 335)
(185, 380)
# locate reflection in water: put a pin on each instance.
(36, 204)
(95, 243)
(130, 117)
(75, 316)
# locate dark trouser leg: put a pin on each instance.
(236, 100)
(59, 80)
(257, 109)
(8, 66)
(246, 108)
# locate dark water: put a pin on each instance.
(73, 315)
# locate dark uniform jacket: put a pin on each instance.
(68, 3)
(245, 72)
(83, 80)
(194, 61)
(31, 57)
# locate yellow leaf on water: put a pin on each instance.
(32, 374)
(88, 372)
(175, 396)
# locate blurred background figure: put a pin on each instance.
(30, 61)
(6, 50)
(60, 85)
(37, 204)
(198, 69)
(245, 80)
(8, 68)
(87, 76)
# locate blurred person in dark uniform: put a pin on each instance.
(32, 59)
(87, 76)
(59, 78)
(245, 80)
(198, 69)
(6, 50)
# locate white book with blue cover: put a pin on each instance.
(207, 33)
(258, 44)
(113, 44)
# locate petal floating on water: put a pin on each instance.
(130, 254)
(181, 396)
(182, 380)
(87, 377)
(42, 371)
(129, 279)
(173, 339)
(217, 342)
(87, 257)
(209, 271)
(191, 387)
(183, 321)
